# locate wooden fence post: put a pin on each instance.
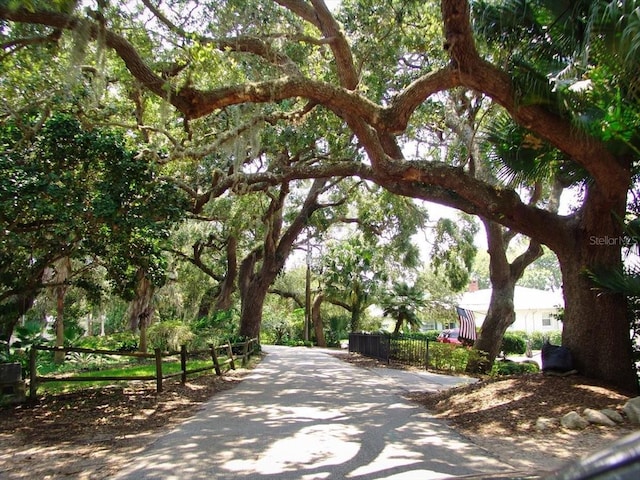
(33, 373)
(183, 363)
(245, 352)
(158, 354)
(230, 352)
(214, 357)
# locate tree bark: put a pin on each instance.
(596, 328)
(11, 310)
(503, 276)
(61, 274)
(255, 278)
(140, 309)
(316, 318)
(227, 287)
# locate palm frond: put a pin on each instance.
(519, 158)
(624, 282)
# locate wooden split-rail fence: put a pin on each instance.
(221, 356)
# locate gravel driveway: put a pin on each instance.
(303, 414)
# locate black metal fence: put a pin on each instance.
(370, 345)
(401, 349)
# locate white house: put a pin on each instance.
(535, 309)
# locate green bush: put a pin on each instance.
(169, 335)
(338, 330)
(418, 336)
(513, 343)
(123, 341)
(215, 329)
(537, 339)
(431, 335)
(503, 368)
(445, 356)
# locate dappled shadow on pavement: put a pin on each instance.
(303, 414)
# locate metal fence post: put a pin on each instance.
(388, 350)
(426, 360)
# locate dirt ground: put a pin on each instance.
(93, 434)
(500, 415)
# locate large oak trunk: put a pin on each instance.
(317, 321)
(504, 275)
(596, 328)
(260, 268)
(253, 297)
(499, 317)
(595, 325)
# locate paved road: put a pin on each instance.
(303, 414)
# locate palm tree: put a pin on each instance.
(402, 303)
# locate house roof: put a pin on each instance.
(524, 299)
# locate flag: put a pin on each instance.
(467, 324)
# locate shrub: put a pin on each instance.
(445, 356)
(338, 330)
(169, 335)
(417, 336)
(214, 329)
(513, 343)
(431, 335)
(537, 339)
(503, 368)
(123, 341)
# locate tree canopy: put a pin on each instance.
(371, 79)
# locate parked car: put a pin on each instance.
(450, 336)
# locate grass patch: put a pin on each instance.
(143, 370)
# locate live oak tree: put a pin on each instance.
(501, 154)
(260, 266)
(362, 244)
(71, 193)
(362, 263)
(319, 67)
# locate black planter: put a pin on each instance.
(10, 373)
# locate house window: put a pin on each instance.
(426, 326)
(546, 322)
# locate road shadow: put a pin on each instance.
(303, 414)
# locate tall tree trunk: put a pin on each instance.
(317, 320)
(11, 310)
(58, 356)
(61, 274)
(206, 302)
(227, 287)
(251, 308)
(596, 328)
(355, 318)
(260, 268)
(500, 316)
(140, 309)
(504, 276)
